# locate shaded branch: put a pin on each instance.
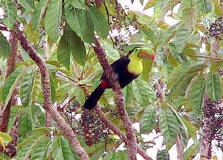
(10, 67)
(118, 97)
(45, 78)
(113, 127)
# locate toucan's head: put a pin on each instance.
(143, 53)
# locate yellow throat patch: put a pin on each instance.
(135, 65)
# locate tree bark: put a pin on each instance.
(118, 97)
(45, 78)
(11, 61)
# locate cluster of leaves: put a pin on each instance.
(62, 32)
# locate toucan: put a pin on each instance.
(126, 69)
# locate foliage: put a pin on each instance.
(188, 61)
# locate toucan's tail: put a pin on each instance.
(94, 97)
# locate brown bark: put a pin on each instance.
(45, 78)
(11, 61)
(118, 97)
(180, 150)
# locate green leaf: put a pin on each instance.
(26, 146)
(120, 155)
(61, 149)
(168, 126)
(78, 50)
(100, 23)
(149, 4)
(179, 56)
(26, 86)
(150, 34)
(40, 149)
(192, 130)
(53, 87)
(27, 4)
(80, 4)
(182, 36)
(4, 47)
(195, 93)
(204, 6)
(38, 13)
(192, 150)
(71, 44)
(53, 19)
(96, 150)
(143, 93)
(147, 123)
(80, 96)
(190, 17)
(183, 79)
(25, 124)
(5, 136)
(10, 13)
(80, 22)
(4, 157)
(213, 86)
(63, 51)
(10, 84)
(111, 52)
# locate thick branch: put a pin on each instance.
(118, 96)
(45, 78)
(11, 61)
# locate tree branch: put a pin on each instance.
(45, 78)
(11, 61)
(118, 97)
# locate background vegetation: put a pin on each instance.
(50, 61)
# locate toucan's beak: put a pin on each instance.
(145, 54)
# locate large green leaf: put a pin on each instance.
(168, 126)
(53, 19)
(10, 13)
(10, 84)
(195, 94)
(120, 155)
(80, 22)
(183, 79)
(149, 32)
(71, 44)
(213, 86)
(26, 86)
(4, 47)
(100, 24)
(38, 13)
(80, 4)
(204, 6)
(190, 17)
(182, 36)
(40, 149)
(25, 124)
(27, 4)
(26, 146)
(61, 149)
(78, 50)
(63, 51)
(143, 93)
(147, 123)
